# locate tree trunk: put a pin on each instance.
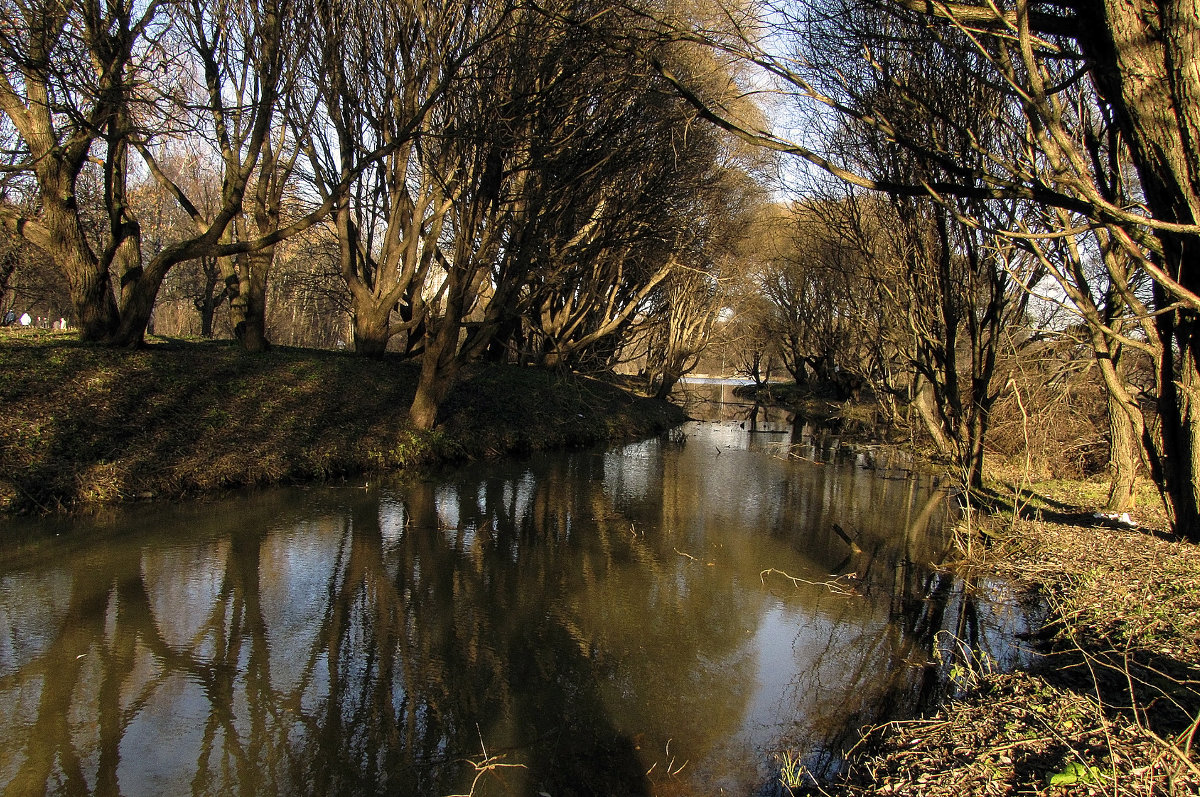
(665, 386)
(372, 329)
(977, 427)
(208, 313)
(1123, 445)
(755, 367)
(248, 307)
(87, 280)
(251, 328)
(923, 403)
(430, 395)
(438, 374)
(1145, 52)
(91, 293)
(441, 361)
(1179, 405)
(206, 305)
(137, 305)
(1126, 427)
(505, 345)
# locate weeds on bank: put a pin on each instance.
(1018, 734)
(968, 667)
(793, 775)
(1116, 707)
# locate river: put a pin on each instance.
(669, 616)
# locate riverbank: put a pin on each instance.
(84, 426)
(1114, 703)
(821, 407)
(1114, 706)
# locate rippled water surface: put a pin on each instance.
(664, 617)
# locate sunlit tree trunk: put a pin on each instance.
(248, 303)
(1146, 54)
(64, 241)
(1126, 426)
(923, 404)
(1124, 444)
(439, 370)
(372, 329)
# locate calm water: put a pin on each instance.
(597, 622)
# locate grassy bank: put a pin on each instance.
(1114, 705)
(83, 426)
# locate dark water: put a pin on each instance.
(596, 622)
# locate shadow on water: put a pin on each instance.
(659, 618)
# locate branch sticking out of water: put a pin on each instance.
(672, 769)
(485, 764)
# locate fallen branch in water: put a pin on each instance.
(846, 538)
(833, 585)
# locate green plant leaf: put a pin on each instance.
(1075, 773)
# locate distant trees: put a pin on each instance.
(815, 288)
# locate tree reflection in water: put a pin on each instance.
(574, 613)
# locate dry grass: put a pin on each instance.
(1017, 734)
(82, 426)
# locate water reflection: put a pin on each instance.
(600, 618)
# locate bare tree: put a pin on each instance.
(111, 82)
(381, 77)
(66, 86)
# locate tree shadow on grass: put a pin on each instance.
(1032, 505)
(86, 425)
